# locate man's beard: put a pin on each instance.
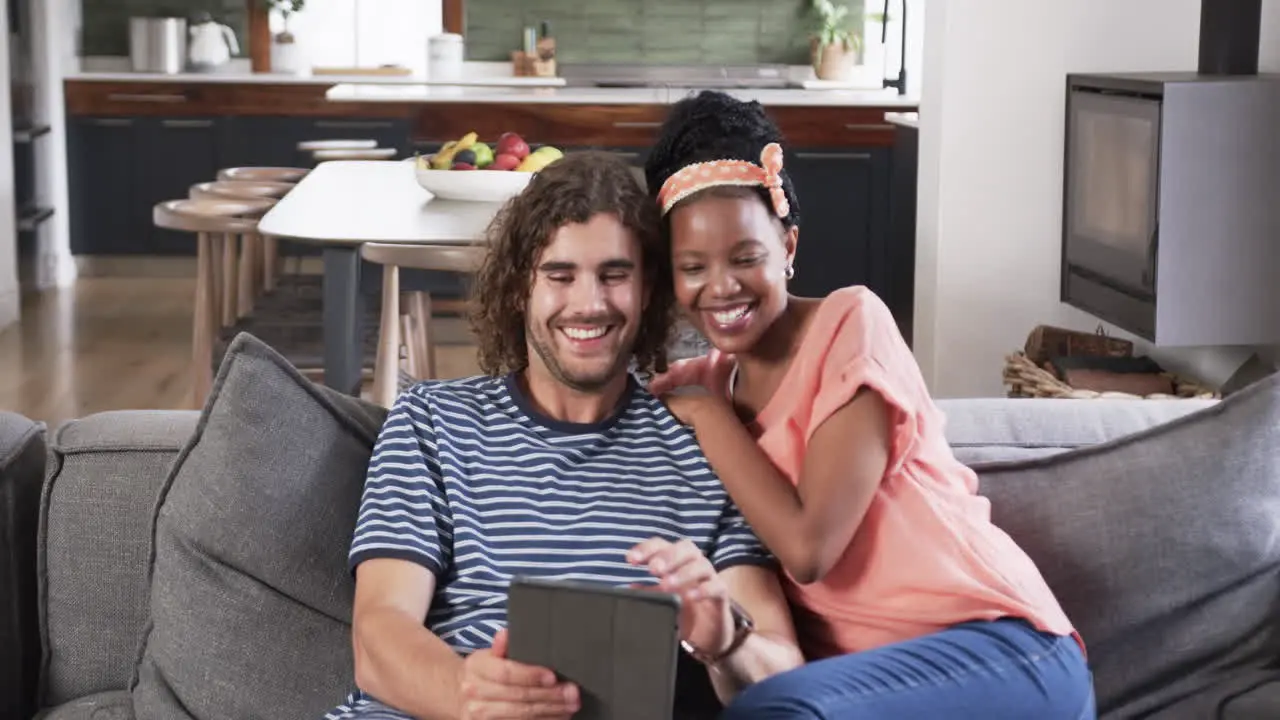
(589, 382)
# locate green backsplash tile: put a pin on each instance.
(105, 28)
(653, 31)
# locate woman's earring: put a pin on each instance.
(789, 272)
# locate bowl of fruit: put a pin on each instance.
(468, 169)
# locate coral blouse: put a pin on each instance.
(927, 555)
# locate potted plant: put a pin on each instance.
(835, 44)
(286, 53)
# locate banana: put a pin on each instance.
(467, 141)
(443, 160)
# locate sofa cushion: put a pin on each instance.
(1164, 548)
(250, 593)
(990, 429)
(114, 705)
(104, 477)
(22, 459)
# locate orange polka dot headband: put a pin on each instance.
(702, 175)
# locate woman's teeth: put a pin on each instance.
(726, 317)
(591, 333)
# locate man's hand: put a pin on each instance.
(494, 687)
(706, 620)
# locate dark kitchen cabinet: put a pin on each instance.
(844, 215)
(175, 153)
(121, 167)
(273, 141)
(106, 175)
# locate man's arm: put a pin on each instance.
(406, 666)
(399, 661)
(772, 648)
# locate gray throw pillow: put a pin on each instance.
(22, 464)
(250, 593)
(1163, 548)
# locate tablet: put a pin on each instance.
(620, 646)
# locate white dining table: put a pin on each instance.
(341, 205)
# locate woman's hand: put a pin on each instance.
(706, 615)
(693, 403)
(709, 372)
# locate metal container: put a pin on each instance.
(158, 44)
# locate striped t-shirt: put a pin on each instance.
(471, 482)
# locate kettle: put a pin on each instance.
(211, 44)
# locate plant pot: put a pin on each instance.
(834, 61)
(287, 57)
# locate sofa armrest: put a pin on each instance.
(22, 466)
(106, 471)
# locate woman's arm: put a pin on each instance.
(807, 526)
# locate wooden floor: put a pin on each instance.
(115, 343)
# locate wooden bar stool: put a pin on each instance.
(272, 176)
(407, 327)
(264, 174)
(258, 265)
(308, 146)
(243, 256)
(243, 189)
(211, 220)
(371, 154)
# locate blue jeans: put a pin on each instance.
(988, 670)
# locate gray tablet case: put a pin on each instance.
(620, 646)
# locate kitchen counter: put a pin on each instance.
(409, 93)
(238, 77)
(903, 119)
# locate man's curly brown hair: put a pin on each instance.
(571, 190)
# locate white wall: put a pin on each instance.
(53, 50)
(9, 295)
(989, 218)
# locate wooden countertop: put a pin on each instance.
(236, 77)
(790, 97)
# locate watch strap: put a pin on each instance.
(743, 626)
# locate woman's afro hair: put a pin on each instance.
(715, 126)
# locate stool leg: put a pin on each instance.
(245, 285)
(204, 322)
(270, 263)
(408, 341)
(230, 250)
(216, 243)
(387, 360)
(420, 309)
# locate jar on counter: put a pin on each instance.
(445, 54)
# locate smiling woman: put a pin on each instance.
(820, 425)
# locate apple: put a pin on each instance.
(511, 144)
(463, 166)
(504, 161)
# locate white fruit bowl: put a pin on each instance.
(473, 185)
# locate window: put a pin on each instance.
(366, 33)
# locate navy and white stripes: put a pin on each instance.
(469, 481)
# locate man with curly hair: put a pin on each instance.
(556, 463)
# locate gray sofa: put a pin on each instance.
(182, 564)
